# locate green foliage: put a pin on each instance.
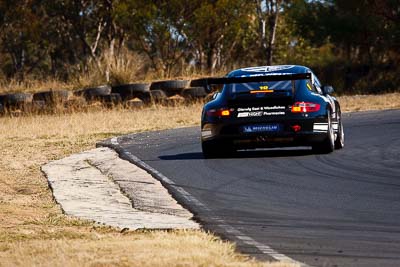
(348, 42)
(353, 41)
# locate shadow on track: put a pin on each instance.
(265, 153)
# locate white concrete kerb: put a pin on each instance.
(88, 185)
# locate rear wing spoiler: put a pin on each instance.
(263, 78)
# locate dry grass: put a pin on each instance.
(183, 248)
(370, 102)
(32, 86)
(125, 67)
(33, 231)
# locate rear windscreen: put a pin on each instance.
(260, 88)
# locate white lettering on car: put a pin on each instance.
(268, 68)
(261, 111)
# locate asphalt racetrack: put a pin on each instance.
(340, 209)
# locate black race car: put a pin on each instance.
(270, 106)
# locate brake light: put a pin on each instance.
(304, 107)
(261, 91)
(225, 113)
(219, 112)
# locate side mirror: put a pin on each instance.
(327, 89)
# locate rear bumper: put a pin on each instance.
(311, 131)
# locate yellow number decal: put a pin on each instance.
(264, 87)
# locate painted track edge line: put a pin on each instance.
(188, 198)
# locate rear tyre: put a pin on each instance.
(339, 142)
(328, 145)
(221, 149)
(208, 149)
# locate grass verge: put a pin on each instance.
(369, 102)
(33, 231)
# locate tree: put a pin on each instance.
(92, 23)
(216, 30)
(267, 14)
(21, 40)
(156, 28)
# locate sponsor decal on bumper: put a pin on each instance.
(261, 111)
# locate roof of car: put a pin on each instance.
(267, 70)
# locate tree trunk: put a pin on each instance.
(267, 15)
(110, 58)
(210, 57)
(111, 36)
(272, 33)
(200, 58)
